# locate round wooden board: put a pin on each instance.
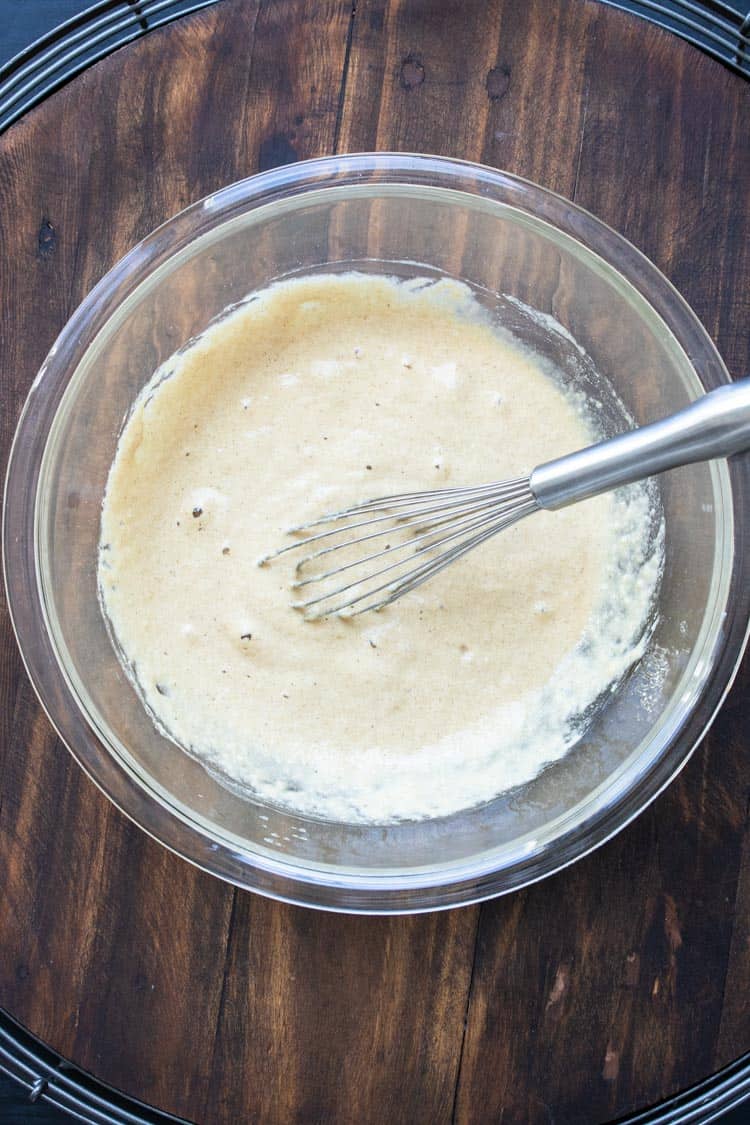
(597, 992)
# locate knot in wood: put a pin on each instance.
(498, 81)
(412, 72)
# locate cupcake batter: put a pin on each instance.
(315, 393)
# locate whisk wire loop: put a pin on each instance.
(429, 530)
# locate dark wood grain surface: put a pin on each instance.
(607, 987)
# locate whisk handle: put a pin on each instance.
(717, 425)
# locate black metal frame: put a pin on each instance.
(46, 65)
(45, 1075)
(717, 28)
(720, 29)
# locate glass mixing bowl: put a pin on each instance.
(519, 247)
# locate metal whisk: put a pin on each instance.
(390, 545)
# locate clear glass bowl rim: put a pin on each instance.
(362, 893)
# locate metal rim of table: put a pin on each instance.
(720, 29)
(45, 1075)
(717, 28)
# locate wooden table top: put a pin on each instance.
(602, 990)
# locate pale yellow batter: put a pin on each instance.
(317, 393)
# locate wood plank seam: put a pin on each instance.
(344, 77)
(224, 981)
(469, 995)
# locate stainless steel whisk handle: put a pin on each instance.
(717, 425)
